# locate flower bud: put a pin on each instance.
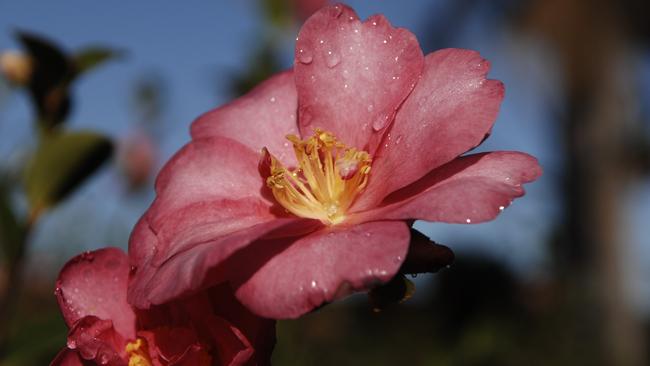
(16, 67)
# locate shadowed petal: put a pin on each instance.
(352, 76)
(280, 279)
(94, 284)
(263, 117)
(450, 111)
(186, 271)
(96, 339)
(67, 357)
(470, 189)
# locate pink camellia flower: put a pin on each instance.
(208, 328)
(364, 135)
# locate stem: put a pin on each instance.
(14, 283)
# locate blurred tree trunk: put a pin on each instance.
(590, 38)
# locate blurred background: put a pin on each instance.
(96, 96)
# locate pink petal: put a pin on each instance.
(450, 111)
(285, 279)
(186, 271)
(259, 332)
(94, 284)
(96, 340)
(174, 345)
(67, 357)
(470, 189)
(263, 117)
(352, 76)
(204, 171)
(209, 189)
(233, 346)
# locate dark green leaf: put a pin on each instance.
(48, 84)
(88, 58)
(61, 164)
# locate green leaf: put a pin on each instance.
(61, 163)
(89, 58)
(48, 84)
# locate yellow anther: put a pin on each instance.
(328, 178)
(138, 353)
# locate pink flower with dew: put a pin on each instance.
(207, 328)
(364, 135)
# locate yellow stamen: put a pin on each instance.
(138, 353)
(328, 178)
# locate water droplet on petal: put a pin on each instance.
(374, 23)
(72, 344)
(468, 221)
(321, 41)
(272, 99)
(380, 122)
(304, 57)
(313, 284)
(332, 59)
(501, 208)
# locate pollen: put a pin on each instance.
(138, 353)
(328, 178)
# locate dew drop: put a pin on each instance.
(304, 57)
(272, 99)
(313, 283)
(374, 23)
(321, 41)
(501, 208)
(332, 59)
(380, 122)
(468, 221)
(385, 41)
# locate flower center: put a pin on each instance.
(328, 178)
(138, 353)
